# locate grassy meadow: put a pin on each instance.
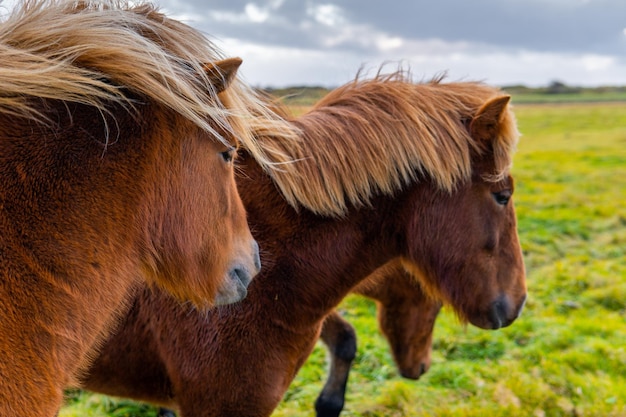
(566, 354)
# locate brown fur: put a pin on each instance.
(113, 137)
(239, 360)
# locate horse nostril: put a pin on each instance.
(236, 287)
(498, 313)
(242, 276)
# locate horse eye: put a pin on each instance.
(502, 197)
(228, 155)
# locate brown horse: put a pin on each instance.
(385, 168)
(406, 317)
(118, 129)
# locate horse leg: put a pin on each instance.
(340, 338)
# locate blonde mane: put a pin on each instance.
(95, 52)
(376, 135)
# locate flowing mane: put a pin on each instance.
(376, 135)
(96, 52)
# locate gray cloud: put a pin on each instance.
(556, 25)
(589, 34)
(593, 26)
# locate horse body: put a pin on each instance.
(322, 238)
(60, 203)
(112, 175)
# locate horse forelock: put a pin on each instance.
(96, 52)
(377, 135)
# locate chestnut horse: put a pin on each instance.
(406, 317)
(118, 129)
(385, 169)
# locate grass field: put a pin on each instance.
(566, 354)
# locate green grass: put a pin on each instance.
(566, 354)
(84, 404)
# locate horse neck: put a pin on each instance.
(311, 262)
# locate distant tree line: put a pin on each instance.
(556, 91)
(558, 87)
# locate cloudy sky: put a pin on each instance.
(503, 42)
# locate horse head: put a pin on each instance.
(473, 259)
(200, 236)
(406, 316)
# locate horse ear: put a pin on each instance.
(222, 73)
(486, 124)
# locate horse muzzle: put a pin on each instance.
(414, 372)
(235, 288)
(501, 313)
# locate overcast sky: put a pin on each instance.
(503, 42)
